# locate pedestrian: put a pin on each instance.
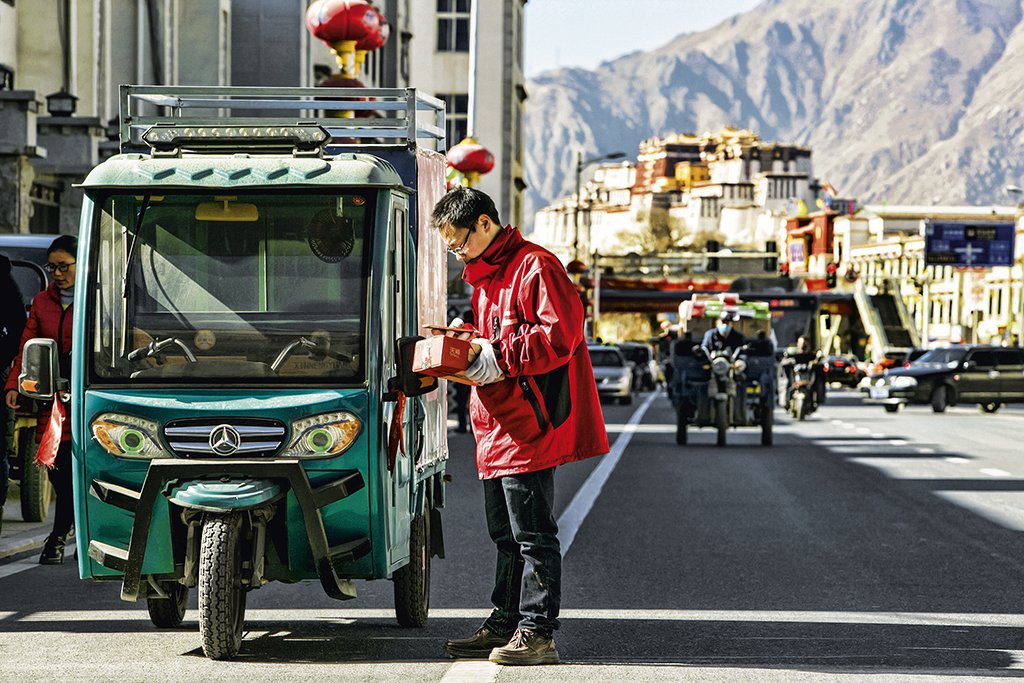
(50, 317)
(12, 322)
(535, 407)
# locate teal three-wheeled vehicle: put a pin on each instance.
(242, 402)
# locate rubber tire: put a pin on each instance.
(939, 399)
(626, 400)
(682, 422)
(36, 491)
(169, 613)
(892, 407)
(767, 421)
(221, 594)
(721, 421)
(412, 582)
(990, 408)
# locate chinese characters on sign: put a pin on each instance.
(970, 245)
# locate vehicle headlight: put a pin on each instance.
(720, 365)
(127, 436)
(322, 436)
(740, 365)
(903, 382)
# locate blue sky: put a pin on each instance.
(588, 32)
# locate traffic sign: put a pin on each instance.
(970, 245)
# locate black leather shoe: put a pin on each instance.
(478, 646)
(53, 550)
(526, 648)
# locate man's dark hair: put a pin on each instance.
(68, 243)
(461, 206)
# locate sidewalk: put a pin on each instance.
(18, 536)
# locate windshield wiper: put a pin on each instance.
(126, 278)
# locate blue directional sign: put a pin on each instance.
(971, 245)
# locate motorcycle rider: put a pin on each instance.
(723, 337)
(804, 355)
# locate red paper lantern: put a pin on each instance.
(337, 20)
(469, 156)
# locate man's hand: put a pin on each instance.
(484, 369)
(11, 399)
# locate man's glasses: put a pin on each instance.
(58, 267)
(459, 250)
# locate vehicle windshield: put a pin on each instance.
(605, 358)
(940, 357)
(637, 354)
(258, 288)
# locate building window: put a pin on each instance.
(453, 25)
(456, 117)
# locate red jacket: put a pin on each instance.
(49, 319)
(546, 411)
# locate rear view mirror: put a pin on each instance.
(38, 360)
(225, 211)
(409, 382)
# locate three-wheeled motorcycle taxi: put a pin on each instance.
(250, 290)
(726, 388)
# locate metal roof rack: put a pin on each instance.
(396, 115)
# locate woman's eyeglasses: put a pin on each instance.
(58, 267)
(459, 250)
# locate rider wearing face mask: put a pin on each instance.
(723, 335)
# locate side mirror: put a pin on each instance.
(970, 364)
(38, 363)
(408, 382)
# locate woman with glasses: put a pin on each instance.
(50, 317)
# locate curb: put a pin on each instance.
(22, 544)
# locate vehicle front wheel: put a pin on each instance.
(412, 582)
(767, 421)
(989, 407)
(682, 422)
(939, 399)
(221, 594)
(168, 612)
(892, 407)
(721, 421)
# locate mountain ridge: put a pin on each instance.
(905, 101)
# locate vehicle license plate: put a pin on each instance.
(878, 392)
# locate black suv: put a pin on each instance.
(987, 375)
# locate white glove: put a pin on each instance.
(484, 369)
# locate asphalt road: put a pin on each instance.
(863, 545)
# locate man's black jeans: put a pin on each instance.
(527, 582)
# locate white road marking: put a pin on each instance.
(641, 429)
(957, 460)
(993, 472)
(258, 617)
(925, 450)
(472, 672)
(863, 430)
(578, 509)
(898, 442)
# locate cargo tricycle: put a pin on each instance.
(723, 388)
(242, 402)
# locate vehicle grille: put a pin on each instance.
(246, 437)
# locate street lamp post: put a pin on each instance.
(1018, 193)
(580, 165)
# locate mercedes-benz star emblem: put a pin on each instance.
(225, 440)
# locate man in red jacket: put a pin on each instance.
(535, 407)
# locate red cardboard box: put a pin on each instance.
(443, 356)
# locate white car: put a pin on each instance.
(612, 372)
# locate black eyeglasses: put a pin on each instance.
(61, 267)
(459, 250)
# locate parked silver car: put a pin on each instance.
(612, 372)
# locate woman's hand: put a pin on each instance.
(11, 399)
